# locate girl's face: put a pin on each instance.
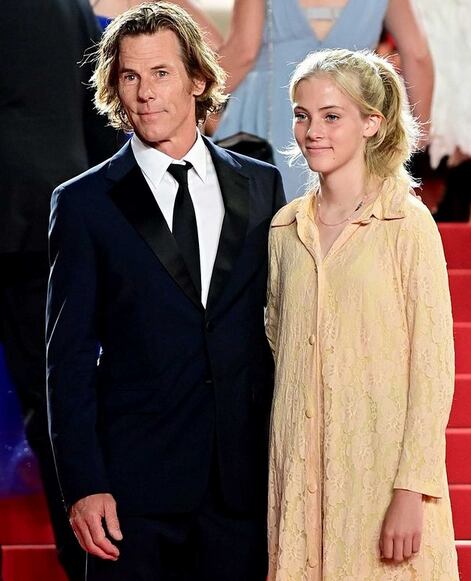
(329, 127)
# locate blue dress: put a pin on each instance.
(103, 21)
(261, 105)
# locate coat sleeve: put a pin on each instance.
(271, 314)
(431, 379)
(72, 351)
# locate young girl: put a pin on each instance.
(359, 321)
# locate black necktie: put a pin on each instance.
(184, 227)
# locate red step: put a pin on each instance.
(25, 520)
(30, 563)
(460, 416)
(460, 288)
(458, 455)
(39, 563)
(463, 549)
(462, 333)
(457, 244)
(460, 495)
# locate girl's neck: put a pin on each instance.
(337, 191)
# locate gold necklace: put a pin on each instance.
(347, 219)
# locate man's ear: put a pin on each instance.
(199, 85)
(372, 124)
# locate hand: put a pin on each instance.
(86, 521)
(402, 526)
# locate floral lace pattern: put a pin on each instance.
(363, 346)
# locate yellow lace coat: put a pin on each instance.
(364, 357)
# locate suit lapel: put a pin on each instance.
(133, 197)
(235, 192)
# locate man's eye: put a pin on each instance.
(129, 77)
(161, 73)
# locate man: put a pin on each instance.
(159, 257)
(49, 133)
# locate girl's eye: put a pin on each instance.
(332, 117)
(300, 116)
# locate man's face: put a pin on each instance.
(157, 93)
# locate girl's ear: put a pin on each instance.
(372, 124)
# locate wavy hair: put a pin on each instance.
(199, 59)
(373, 84)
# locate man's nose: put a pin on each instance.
(145, 90)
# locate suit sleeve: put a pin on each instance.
(279, 198)
(72, 350)
(431, 379)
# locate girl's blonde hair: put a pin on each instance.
(198, 58)
(373, 84)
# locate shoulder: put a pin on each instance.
(418, 232)
(87, 183)
(287, 215)
(417, 215)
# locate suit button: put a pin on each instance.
(209, 326)
(208, 381)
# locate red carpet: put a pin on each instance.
(457, 243)
(27, 553)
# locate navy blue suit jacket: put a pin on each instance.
(176, 385)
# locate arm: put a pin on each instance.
(416, 59)
(239, 52)
(71, 377)
(431, 379)
(213, 35)
(421, 471)
(271, 314)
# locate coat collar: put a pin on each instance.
(390, 204)
(133, 197)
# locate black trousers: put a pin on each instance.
(22, 319)
(209, 544)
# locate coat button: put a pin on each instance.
(309, 413)
(312, 339)
(312, 487)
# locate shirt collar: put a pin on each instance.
(154, 163)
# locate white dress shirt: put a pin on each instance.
(204, 191)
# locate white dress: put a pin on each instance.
(447, 24)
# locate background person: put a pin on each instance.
(268, 36)
(49, 133)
